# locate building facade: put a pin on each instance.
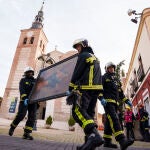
(137, 85)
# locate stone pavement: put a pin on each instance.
(16, 143)
(48, 139)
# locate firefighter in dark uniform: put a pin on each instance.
(143, 118)
(25, 87)
(86, 79)
(112, 92)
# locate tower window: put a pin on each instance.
(25, 41)
(31, 40)
(41, 43)
(43, 47)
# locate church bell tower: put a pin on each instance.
(31, 45)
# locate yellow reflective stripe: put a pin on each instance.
(111, 100)
(28, 128)
(101, 94)
(117, 103)
(97, 87)
(112, 127)
(13, 125)
(118, 133)
(23, 95)
(146, 118)
(111, 123)
(124, 99)
(107, 80)
(107, 136)
(27, 83)
(142, 120)
(82, 119)
(91, 75)
(90, 59)
(86, 123)
(146, 128)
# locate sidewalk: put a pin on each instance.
(48, 139)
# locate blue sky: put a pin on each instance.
(104, 23)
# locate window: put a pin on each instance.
(41, 43)
(31, 40)
(43, 47)
(25, 41)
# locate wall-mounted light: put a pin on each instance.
(133, 12)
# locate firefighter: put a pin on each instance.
(25, 87)
(86, 79)
(143, 118)
(129, 122)
(112, 92)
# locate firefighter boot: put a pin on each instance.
(85, 140)
(124, 143)
(27, 136)
(11, 131)
(108, 143)
(93, 140)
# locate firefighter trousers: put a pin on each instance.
(22, 110)
(112, 123)
(84, 114)
(144, 130)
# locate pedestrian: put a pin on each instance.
(25, 87)
(86, 80)
(129, 119)
(143, 118)
(112, 93)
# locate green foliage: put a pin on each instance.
(49, 120)
(122, 73)
(71, 121)
(118, 69)
(118, 73)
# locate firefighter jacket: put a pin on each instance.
(143, 115)
(112, 90)
(87, 72)
(25, 87)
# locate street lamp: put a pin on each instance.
(133, 12)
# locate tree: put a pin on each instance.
(120, 73)
(118, 69)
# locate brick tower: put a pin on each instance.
(32, 43)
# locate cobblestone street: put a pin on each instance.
(49, 139)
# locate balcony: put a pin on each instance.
(140, 73)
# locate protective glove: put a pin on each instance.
(103, 101)
(68, 93)
(128, 102)
(72, 97)
(26, 101)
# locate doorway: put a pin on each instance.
(41, 110)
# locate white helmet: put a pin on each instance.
(83, 42)
(27, 69)
(109, 64)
